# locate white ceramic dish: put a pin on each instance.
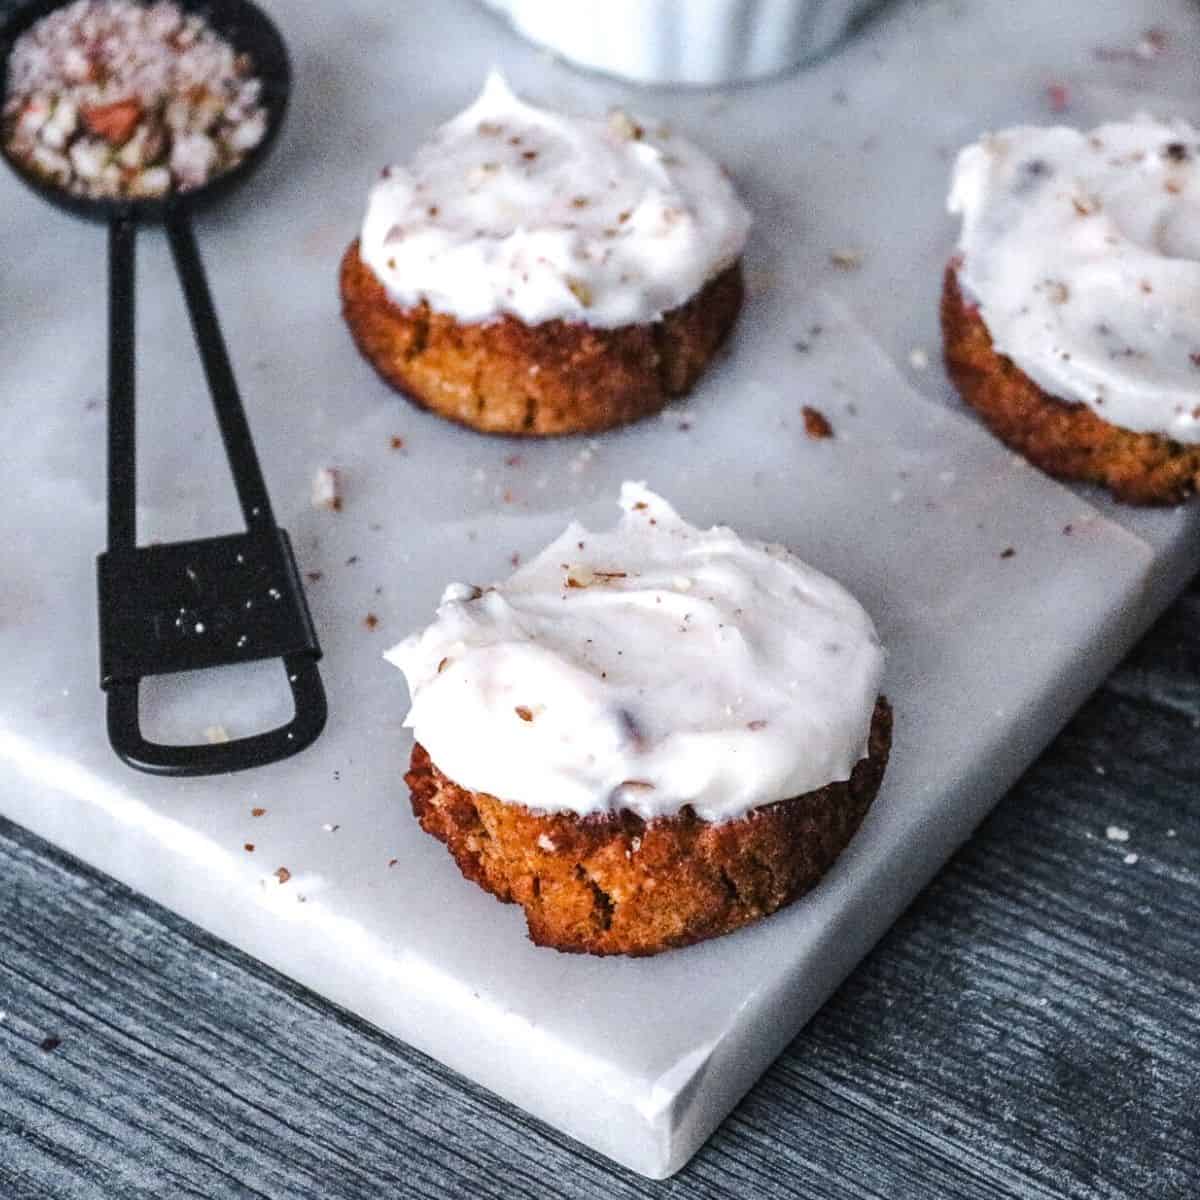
(696, 42)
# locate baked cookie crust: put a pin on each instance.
(558, 377)
(1065, 439)
(615, 884)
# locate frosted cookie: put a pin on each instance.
(532, 273)
(648, 736)
(1070, 315)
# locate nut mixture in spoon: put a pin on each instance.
(112, 98)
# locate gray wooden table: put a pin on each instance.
(1031, 1028)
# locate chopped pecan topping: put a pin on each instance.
(115, 122)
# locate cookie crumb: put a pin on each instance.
(847, 259)
(623, 127)
(371, 621)
(1057, 291)
(327, 489)
(816, 423)
(1153, 42)
(1058, 97)
(283, 874)
(49, 1043)
(215, 734)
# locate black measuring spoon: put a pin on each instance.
(217, 601)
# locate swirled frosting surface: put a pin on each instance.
(1082, 251)
(648, 667)
(510, 208)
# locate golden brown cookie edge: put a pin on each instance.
(558, 377)
(620, 885)
(1064, 439)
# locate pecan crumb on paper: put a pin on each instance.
(327, 489)
(816, 423)
(1058, 97)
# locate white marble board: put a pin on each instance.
(911, 504)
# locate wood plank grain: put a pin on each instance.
(1031, 1028)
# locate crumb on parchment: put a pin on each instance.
(327, 489)
(816, 423)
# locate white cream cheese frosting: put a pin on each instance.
(647, 667)
(1082, 251)
(510, 208)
